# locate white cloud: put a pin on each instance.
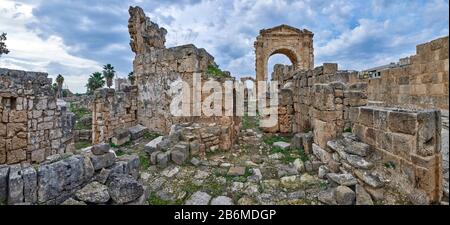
(28, 51)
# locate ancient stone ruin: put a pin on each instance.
(341, 137)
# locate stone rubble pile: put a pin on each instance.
(348, 168)
(96, 176)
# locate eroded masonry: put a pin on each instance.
(342, 137)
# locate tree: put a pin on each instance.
(59, 82)
(95, 81)
(109, 73)
(131, 78)
(3, 49)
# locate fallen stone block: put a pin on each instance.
(178, 157)
(124, 188)
(94, 192)
(162, 159)
(121, 136)
(103, 161)
(236, 171)
(281, 144)
(137, 131)
(100, 149)
(198, 198)
(152, 146)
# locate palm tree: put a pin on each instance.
(3, 49)
(108, 73)
(131, 77)
(95, 81)
(59, 81)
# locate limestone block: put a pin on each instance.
(402, 122)
(15, 185)
(30, 179)
(152, 146)
(4, 178)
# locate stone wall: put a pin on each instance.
(157, 67)
(34, 124)
(111, 111)
(188, 140)
(60, 177)
(422, 83)
(410, 138)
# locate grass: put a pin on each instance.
(80, 126)
(249, 122)
(153, 199)
(303, 156)
(82, 144)
(150, 135)
(127, 144)
(144, 161)
(349, 130)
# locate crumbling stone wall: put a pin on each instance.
(157, 67)
(113, 110)
(422, 83)
(34, 123)
(409, 138)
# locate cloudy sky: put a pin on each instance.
(75, 38)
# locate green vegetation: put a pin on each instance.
(153, 199)
(131, 78)
(95, 81)
(144, 161)
(150, 135)
(215, 71)
(349, 130)
(249, 122)
(272, 139)
(82, 144)
(120, 152)
(3, 49)
(389, 165)
(109, 73)
(79, 112)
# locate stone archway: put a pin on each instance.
(296, 44)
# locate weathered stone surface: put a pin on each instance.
(72, 201)
(61, 178)
(256, 175)
(359, 162)
(198, 198)
(123, 188)
(320, 153)
(103, 161)
(178, 157)
(362, 197)
(121, 136)
(327, 197)
(342, 179)
(236, 171)
(162, 159)
(131, 164)
(222, 200)
(323, 171)
(281, 144)
(102, 176)
(93, 193)
(137, 131)
(100, 149)
(15, 185)
(30, 179)
(152, 146)
(369, 179)
(344, 195)
(4, 174)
